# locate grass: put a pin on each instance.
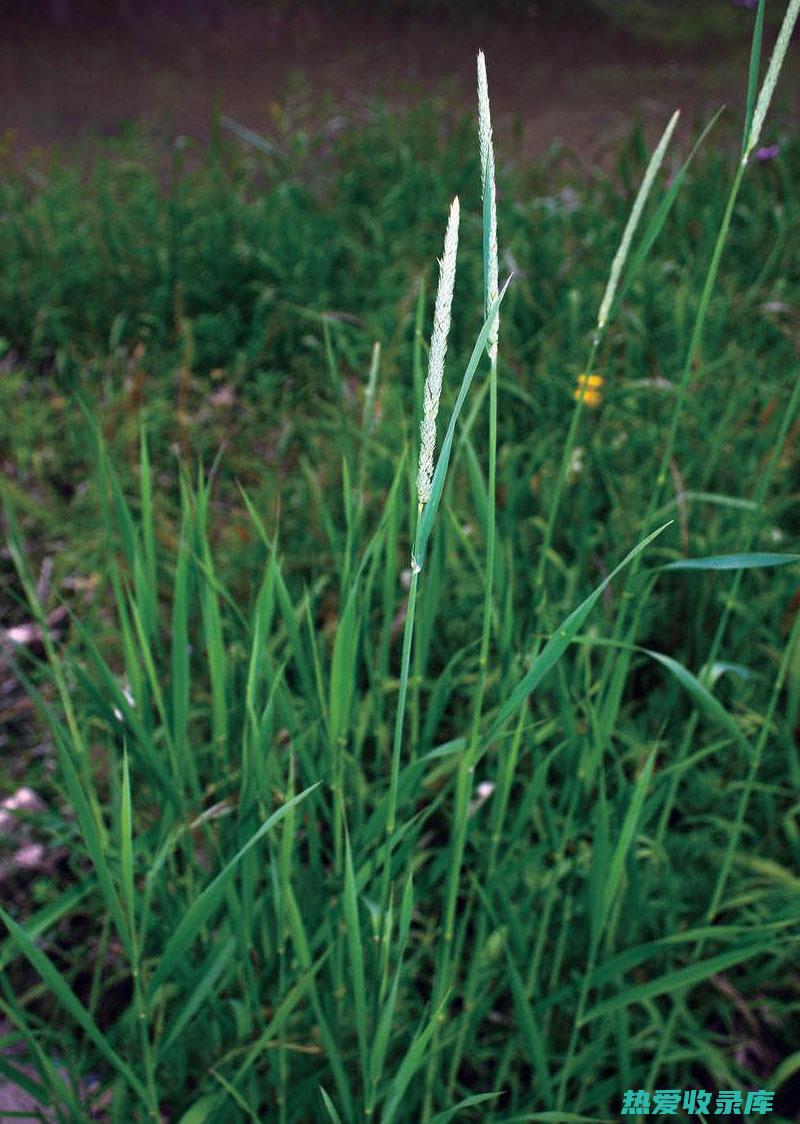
(492, 834)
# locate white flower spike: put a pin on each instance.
(433, 383)
(489, 198)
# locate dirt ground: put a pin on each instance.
(72, 67)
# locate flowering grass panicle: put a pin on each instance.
(633, 221)
(489, 199)
(438, 351)
(771, 78)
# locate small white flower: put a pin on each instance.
(129, 699)
(482, 794)
(576, 463)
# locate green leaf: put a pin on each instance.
(700, 694)
(561, 639)
(410, 1064)
(601, 855)
(41, 921)
(180, 655)
(18, 1077)
(91, 835)
(200, 1111)
(330, 1107)
(616, 867)
(202, 987)
(343, 670)
(787, 1068)
(329, 1041)
(468, 1102)
(126, 850)
(356, 954)
(678, 979)
(69, 1000)
(733, 562)
(207, 902)
(149, 586)
(377, 1055)
(531, 1030)
(269, 1036)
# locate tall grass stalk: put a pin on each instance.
(693, 350)
(614, 680)
(466, 767)
(734, 836)
(773, 73)
(432, 395)
(604, 311)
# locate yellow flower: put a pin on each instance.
(588, 389)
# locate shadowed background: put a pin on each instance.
(576, 71)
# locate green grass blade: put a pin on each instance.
(468, 1102)
(356, 951)
(44, 918)
(749, 561)
(752, 73)
(126, 850)
(786, 1069)
(343, 670)
(204, 905)
(330, 1107)
(616, 867)
(377, 1056)
(301, 945)
(531, 1031)
(180, 673)
(66, 996)
(601, 858)
(235, 1096)
(700, 694)
(201, 1110)
(678, 979)
(149, 587)
(410, 1064)
(562, 638)
(200, 991)
(93, 841)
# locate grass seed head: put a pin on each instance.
(633, 220)
(438, 351)
(489, 198)
(771, 77)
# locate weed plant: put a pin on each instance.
(482, 805)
